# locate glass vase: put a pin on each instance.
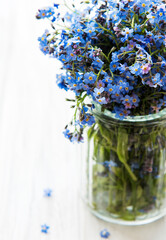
(125, 171)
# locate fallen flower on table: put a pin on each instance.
(47, 192)
(44, 228)
(104, 234)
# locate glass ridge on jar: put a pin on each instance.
(125, 172)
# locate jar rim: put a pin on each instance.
(140, 118)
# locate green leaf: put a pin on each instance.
(122, 151)
(139, 192)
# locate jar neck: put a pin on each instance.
(108, 116)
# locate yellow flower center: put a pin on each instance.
(90, 78)
(143, 5)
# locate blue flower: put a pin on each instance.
(129, 76)
(61, 82)
(114, 15)
(63, 58)
(68, 17)
(119, 113)
(137, 28)
(67, 134)
(100, 84)
(157, 81)
(84, 87)
(104, 233)
(98, 91)
(144, 5)
(107, 79)
(111, 89)
(88, 120)
(135, 100)
(109, 164)
(125, 87)
(77, 28)
(56, 5)
(127, 32)
(84, 109)
(161, 14)
(97, 63)
(71, 56)
(131, 45)
(122, 67)
(140, 38)
(152, 17)
(76, 138)
(115, 56)
(44, 228)
(90, 29)
(41, 14)
(43, 38)
(90, 78)
(135, 69)
(101, 100)
(45, 13)
(114, 66)
(47, 192)
(127, 99)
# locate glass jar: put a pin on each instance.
(125, 171)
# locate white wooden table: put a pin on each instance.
(34, 154)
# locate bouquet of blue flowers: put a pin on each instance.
(112, 52)
(113, 55)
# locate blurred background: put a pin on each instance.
(34, 155)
